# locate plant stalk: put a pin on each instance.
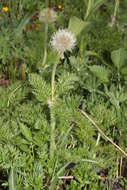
(45, 45)
(89, 7)
(52, 112)
(117, 2)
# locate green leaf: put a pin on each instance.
(97, 4)
(66, 82)
(12, 179)
(76, 25)
(22, 24)
(53, 57)
(55, 178)
(41, 89)
(100, 72)
(119, 57)
(123, 72)
(93, 6)
(63, 140)
(25, 132)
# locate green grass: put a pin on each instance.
(41, 142)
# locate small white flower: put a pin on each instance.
(47, 15)
(63, 40)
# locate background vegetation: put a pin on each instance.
(91, 95)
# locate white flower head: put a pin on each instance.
(63, 40)
(47, 15)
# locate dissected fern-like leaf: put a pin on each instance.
(66, 83)
(41, 89)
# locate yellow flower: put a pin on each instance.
(60, 7)
(5, 9)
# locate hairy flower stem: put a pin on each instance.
(52, 112)
(45, 45)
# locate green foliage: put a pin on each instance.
(25, 132)
(12, 178)
(119, 58)
(42, 90)
(66, 83)
(93, 77)
(100, 72)
(76, 25)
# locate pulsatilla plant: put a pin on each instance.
(61, 42)
(64, 126)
